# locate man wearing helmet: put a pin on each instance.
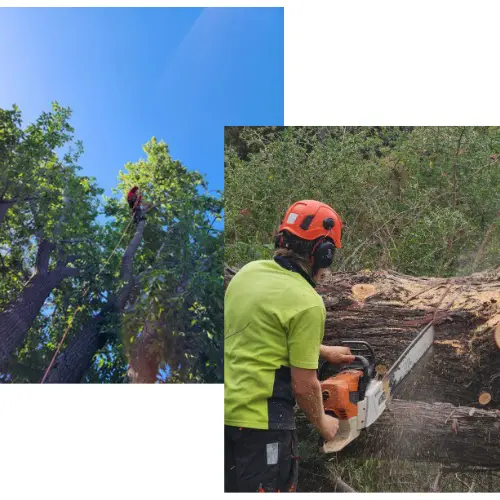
(134, 200)
(274, 323)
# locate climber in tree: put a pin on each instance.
(134, 199)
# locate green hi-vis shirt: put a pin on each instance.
(273, 319)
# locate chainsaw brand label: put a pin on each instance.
(381, 399)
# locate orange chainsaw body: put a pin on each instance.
(341, 394)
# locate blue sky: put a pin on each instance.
(179, 74)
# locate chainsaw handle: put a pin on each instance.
(365, 365)
(354, 365)
(360, 346)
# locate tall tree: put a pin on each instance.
(173, 252)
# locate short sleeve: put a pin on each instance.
(305, 334)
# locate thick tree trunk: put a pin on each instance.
(72, 364)
(388, 309)
(18, 316)
(436, 432)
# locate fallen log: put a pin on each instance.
(388, 309)
(431, 432)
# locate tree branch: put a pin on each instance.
(45, 248)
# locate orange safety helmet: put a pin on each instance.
(310, 219)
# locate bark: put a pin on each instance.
(431, 432)
(72, 364)
(388, 309)
(18, 316)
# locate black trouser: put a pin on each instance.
(260, 460)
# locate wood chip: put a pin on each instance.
(472, 411)
(484, 398)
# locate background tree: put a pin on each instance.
(421, 200)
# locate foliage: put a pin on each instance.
(420, 200)
(180, 266)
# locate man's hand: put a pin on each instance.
(339, 355)
(328, 427)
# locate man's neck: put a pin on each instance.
(295, 267)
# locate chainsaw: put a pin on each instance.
(356, 394)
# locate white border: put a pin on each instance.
(391, 62)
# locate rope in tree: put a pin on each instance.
(85, 292)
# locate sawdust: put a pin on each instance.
(458, 346)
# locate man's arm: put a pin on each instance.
(307, 391)
(336, 354)
(305, 331)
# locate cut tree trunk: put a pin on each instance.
(72, 364)
(388, 309)
(464, 359)
(18, 316)
(434, 432)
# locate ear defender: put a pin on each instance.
(322, 254)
